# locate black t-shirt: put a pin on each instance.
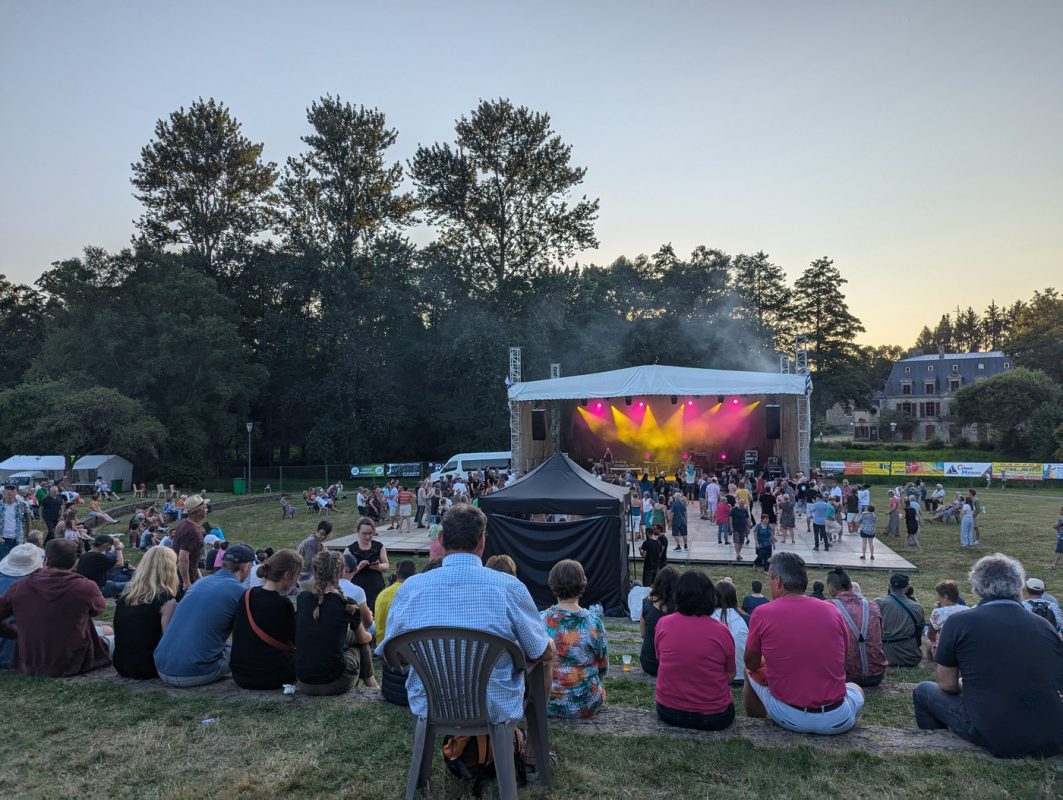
(137, 631)
(255, 664)
(94, 566)
(319, 644)
(648, 655)
(1011, 663)
(51, 507)
(852, 503)
(751, 603)
(652, 553)
(739, 520)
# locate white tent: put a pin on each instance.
(51, 466)
(110, 468)
(659, 380)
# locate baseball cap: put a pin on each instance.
(1035, 584)
(898, 581)
(239, 554)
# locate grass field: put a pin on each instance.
(113, 742)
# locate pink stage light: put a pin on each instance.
(690, 402)
(598, 405)
(647, 456)
(685, 456)
(723, 456)
(641, 404)
(734, 401)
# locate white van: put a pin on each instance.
(464, 463)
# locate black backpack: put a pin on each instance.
(1042, 609)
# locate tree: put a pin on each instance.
(993, 326)
(1039, 437)
(499, 199)
(924, 342)
(967, 330)
(22, 325)
(819, 308)
(1036, 338)
(341, 194)
(944, 337)
(1006, 402)
(880, 361)
(763, 294)
(203, 184)
(75, 420)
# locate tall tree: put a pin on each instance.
(499, 198)
(22, 325)
(764, 297)
(944, 336)
(203, 184)
(1036, 338)
(924, 342)
(342, 192)
(967, 330)
(994, 323)
(819, 305)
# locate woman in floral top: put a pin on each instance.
(582, 650)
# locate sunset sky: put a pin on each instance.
(917, 144)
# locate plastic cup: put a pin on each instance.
(627, 663)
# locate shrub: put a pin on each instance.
(934, 443)
(961, 443)
(985, 444)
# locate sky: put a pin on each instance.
(918, 144)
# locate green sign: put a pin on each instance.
(367, 470)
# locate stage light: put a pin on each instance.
(690, 402)
(734, 401)
(686, 456)
(627, 401)
(598, 405)
(674, 399)
(647, 456)
(642, 404)
(723, 456)
(583, 402)
(719, 399)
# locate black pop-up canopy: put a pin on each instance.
(560, 486)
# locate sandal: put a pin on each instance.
(531, 772)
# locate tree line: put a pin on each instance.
(293, 296)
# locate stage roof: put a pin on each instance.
(658, 380)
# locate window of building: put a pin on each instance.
(906, 408)
(1007, 365)
(955, 367)
(929, 387)
(907, 369)
(954, 384)
(981, 365)
(930, 368)
(932, 409)
(906, 387)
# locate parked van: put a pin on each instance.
(464, 463)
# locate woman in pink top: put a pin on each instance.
(696, 654)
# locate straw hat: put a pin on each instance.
(194, 503)
(22, 560)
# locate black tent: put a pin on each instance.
(559, 486)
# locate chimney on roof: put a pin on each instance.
(941, 351)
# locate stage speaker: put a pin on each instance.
(539, 424)
(772, 422)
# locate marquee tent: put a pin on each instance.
(110, 468)
(51, 466)
(596, 539)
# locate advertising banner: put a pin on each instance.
(898, 468)
(367, 470)
(1018, 471)
(875, 467)
(934, 469)
(410, 469)
(1053, 472)
(970, 469)
(831, 466)
(854, 467)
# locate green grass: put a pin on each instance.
(146, 744)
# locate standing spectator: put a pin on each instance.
(422, 503)
(697, 660)
(712, 497)
(14, 520)
(911, 521)
(312, 545)
(723, 521)
(752, 601)
(16, 565)
(948, 603)
(405, 569)
(405, 500)
(865, 661)
(651, 550)
(1059, 541)
(1010, 664)
(659, 603)
(54, 607)
(795, 658)
(787, 518)
(739, 527)
(852, 510)
(818, 514)
(976, 506)
(582, 659)
(371, 561)
(966, 524)
(902, 624)
(893, 523)
(143, 612)
(866, 522)
(188, 540)
(193, 649)
(764, 537)
(264, 627)
(51, 510)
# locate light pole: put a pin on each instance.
(250, 425)
(893, 434)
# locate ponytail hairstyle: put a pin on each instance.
(328, 567)
(279, 565)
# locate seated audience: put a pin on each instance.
(998, 671)
(1037, 603)
(143, 612)
(502, 563)
(728, 614)
(54, 607)
(331, 645)
(24, 559)
(96, 511)
(193, 649)
(902, 624)
(659, 602)
(865, 662)
(312, 545)
(751, 601)
(582, 648)
(795, 657)
(697, 659)
(405, 569)
(264, 628)
(107, 571)
(949, 602)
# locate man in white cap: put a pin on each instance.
(17, 564)
(1041, 603)
(188, 540)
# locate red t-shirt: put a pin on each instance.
(723, 513)
(803, 642)
(695, 654)
(405, 497)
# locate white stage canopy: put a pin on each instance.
(658, 380)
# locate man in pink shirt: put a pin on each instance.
(795, 657)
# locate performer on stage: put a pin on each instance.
(607, 461)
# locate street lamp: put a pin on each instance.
(250, 425)
(893, 434)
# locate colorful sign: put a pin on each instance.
(932, 468)
(367, 470)
(854, 468)
(1053, 472)
(875, 468)
(969, 469)
(832, 466)
(408, 470)
(1018, 471)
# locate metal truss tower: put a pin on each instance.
(516, 444)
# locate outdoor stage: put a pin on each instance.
(703, 549)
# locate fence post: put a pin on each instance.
(326, 475)
(281, 470)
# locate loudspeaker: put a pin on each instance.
(772, 422)
(539, 424)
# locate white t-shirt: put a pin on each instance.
(9, 528)
(712, 492)
(836, 492)
(647, 505)
(355, 593)
(739, 632)
(864, 498)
